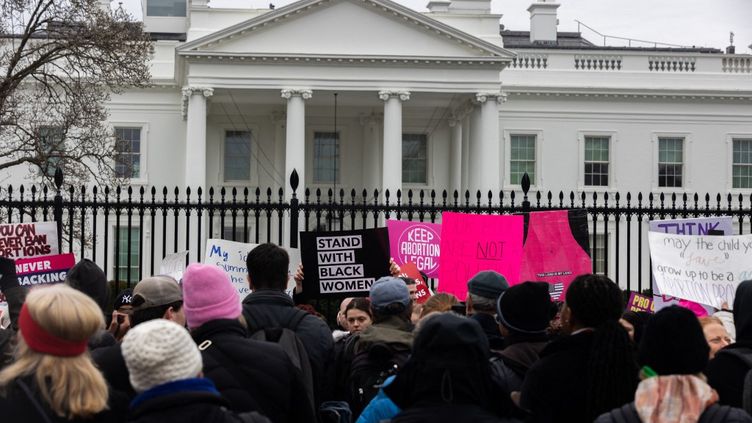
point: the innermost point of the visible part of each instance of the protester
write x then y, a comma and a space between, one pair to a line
165, 366
155, 297
122, 309
88, 278
726, 372
250, 375
674, 353
715, 334
482, 292
342, 329
268, 307
634, 323
524, 312
358, 315
447, 378
53, 378
590, 371
14, 296
439, 303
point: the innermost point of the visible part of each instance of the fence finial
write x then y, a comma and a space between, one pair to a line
294, 180
58, 178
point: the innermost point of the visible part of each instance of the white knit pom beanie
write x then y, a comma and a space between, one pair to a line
159, 351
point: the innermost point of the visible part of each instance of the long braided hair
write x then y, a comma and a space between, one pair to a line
595, 301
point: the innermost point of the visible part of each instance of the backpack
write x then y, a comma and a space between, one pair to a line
284, 335
370, 368
745, 355
335, 412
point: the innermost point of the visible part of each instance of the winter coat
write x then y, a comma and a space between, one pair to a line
488, 323
111, 363
187, 401
510, 365
449, 414
726, 373
712, 414
18, 406
555, 387
392, 330
271, 308
251, 375
381, 406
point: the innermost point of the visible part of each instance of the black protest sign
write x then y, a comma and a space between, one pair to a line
344, 263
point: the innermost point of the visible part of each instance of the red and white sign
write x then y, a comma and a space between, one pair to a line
422, 293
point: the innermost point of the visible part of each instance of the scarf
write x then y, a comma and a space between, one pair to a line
673, 399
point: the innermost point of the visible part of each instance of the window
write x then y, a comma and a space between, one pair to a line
237, 157
741, 176
670, 162
122, 271
596, 161
165, 7
238, 235
522, 158
325, 157
128, 156
51, 141
598, 248
414, 158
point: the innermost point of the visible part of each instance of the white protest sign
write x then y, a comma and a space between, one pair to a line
701, 268
22, 240
173, 265
230, 256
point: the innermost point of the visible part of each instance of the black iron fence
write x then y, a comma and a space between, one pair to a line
129, 230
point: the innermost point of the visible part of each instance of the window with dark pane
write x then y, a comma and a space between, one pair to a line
128, 152
123, 270
597, 158
326, 165
51, 142
414, 158
522, 158
742, 163
237, 157
671, 162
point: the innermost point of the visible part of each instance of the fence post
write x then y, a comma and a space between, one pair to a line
525, 183
294, 210
57, 211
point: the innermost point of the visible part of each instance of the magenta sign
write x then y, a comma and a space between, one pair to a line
416, 242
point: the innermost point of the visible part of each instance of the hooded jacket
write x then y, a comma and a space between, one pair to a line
88, 278
725, 372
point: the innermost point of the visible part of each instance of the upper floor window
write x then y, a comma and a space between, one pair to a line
128, 156
237, 156
326, 157
164, 8
51, 142
597, 157
414, 158
671, 162
521, 158
741, 176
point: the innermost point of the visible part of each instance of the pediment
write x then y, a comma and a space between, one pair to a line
349, 28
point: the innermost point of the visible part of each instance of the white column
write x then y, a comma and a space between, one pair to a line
278, 121
371, 152
490, 176
455, 156
465, 154
194, 106
475, 156
295, 141
392, 160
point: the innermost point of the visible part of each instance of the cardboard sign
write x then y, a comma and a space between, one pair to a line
44, 270
416, 242
21, 240
471, 243
422, 292
638, 302
173, 265
344, 263
230, 256
700, 268
552, 252
690, 226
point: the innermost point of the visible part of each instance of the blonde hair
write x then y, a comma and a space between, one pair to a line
71, 386
440, 303
709, 320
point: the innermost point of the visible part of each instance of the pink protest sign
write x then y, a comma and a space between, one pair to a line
471, 243
415, 242
552, 252
44, 270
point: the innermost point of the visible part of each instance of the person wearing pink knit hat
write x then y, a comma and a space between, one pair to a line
251, 375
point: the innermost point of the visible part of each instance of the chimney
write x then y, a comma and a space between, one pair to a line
438, 6
543, 22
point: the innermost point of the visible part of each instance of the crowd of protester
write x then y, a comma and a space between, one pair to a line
192, 351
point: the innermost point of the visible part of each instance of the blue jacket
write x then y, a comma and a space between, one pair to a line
380, 408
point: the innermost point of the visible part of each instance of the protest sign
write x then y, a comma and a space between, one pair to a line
344, 263
700, 268
638, 302
44, 270
689, 226
422, 293
556, 249
230, 256
471, 243
173, 265
21, 240
416, 242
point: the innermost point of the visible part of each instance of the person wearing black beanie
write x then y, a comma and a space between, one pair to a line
523, 313
674, 353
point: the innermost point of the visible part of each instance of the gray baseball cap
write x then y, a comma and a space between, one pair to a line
156, 291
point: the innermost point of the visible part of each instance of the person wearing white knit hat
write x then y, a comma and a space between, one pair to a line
165, 369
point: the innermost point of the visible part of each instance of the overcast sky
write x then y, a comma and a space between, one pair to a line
704, 23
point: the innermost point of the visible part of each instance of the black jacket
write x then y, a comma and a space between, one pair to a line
251, 375
110, 362
725, 372
449, 414
271, 309
555, 387
510, 365
18, 406
488, 323
712, 414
